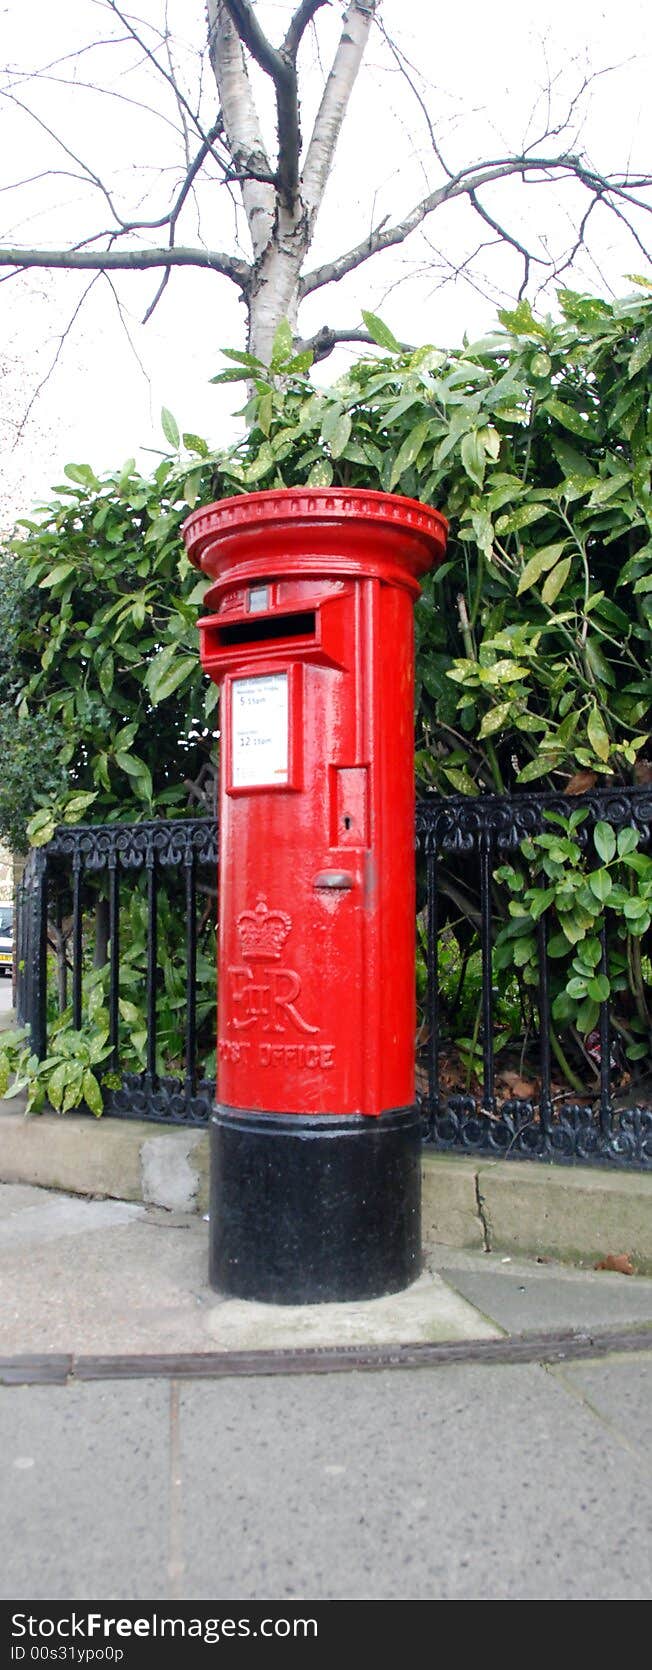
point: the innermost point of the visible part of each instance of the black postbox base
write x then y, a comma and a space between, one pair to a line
309, 1209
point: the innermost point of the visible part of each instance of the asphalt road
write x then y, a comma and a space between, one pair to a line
5, 995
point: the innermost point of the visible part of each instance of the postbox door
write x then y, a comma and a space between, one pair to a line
305, 888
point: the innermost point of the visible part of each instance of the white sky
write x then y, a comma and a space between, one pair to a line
485, 67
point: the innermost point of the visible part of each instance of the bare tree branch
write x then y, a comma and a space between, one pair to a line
299, 23
129, 260
403, 64
508, 238
325, 340
178, 95
465, 184
60, 345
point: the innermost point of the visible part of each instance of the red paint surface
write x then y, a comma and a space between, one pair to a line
316, 983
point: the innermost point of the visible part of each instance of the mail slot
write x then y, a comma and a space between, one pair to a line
315, 1136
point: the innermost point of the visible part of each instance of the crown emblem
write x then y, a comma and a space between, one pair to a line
263, 932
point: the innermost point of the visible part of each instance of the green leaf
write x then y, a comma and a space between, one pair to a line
106, 673
540, 900
599, 988
599, 667
321, 473
340, 435
558, 946
194, 443
555, 581
83, 475
265, 412
571, 462
163, 682
634, 908
587, 1016
566, 415
41, 827
473, 455
138, 771
604, 841
129, 1012
598, 734
231, 376
606, 489
641, 354
534, 769
601, 884
408, 452
75, 807
92, 1093
539, 564
628, 840
496, 719
242, 358
521, 321
540, 365
460, 780
300, 363
170, 429
380, 332
56, 1085
282, 346
191, 488
56, 575
521, 518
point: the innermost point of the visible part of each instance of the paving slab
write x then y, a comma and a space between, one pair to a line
457, 1483
520, 1295
85, 1482
110, 1277
622, 1400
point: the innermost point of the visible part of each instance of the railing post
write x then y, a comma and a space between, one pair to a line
152, 961
191, 970
19, 954
36, 950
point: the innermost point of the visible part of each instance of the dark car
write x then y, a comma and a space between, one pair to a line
7, 939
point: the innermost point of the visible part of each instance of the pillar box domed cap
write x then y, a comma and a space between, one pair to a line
316, 530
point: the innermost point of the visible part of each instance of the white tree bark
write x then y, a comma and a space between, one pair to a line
335, 98
242, 127
275, 289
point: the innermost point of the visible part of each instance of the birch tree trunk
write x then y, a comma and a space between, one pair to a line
281, 216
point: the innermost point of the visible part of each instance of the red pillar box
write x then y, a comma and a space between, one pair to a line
315, 1137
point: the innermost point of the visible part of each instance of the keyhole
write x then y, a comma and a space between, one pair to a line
347, 822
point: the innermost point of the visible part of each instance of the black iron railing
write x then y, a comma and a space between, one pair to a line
64, 875
460, 843
607, 1125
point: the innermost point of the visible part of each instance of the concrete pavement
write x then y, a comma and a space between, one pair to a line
463, 1482
454, 1480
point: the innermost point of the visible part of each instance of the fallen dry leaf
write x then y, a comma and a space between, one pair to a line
621, 1262
516, 1086
581, 782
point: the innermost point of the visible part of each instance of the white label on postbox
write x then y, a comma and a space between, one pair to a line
259, 731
